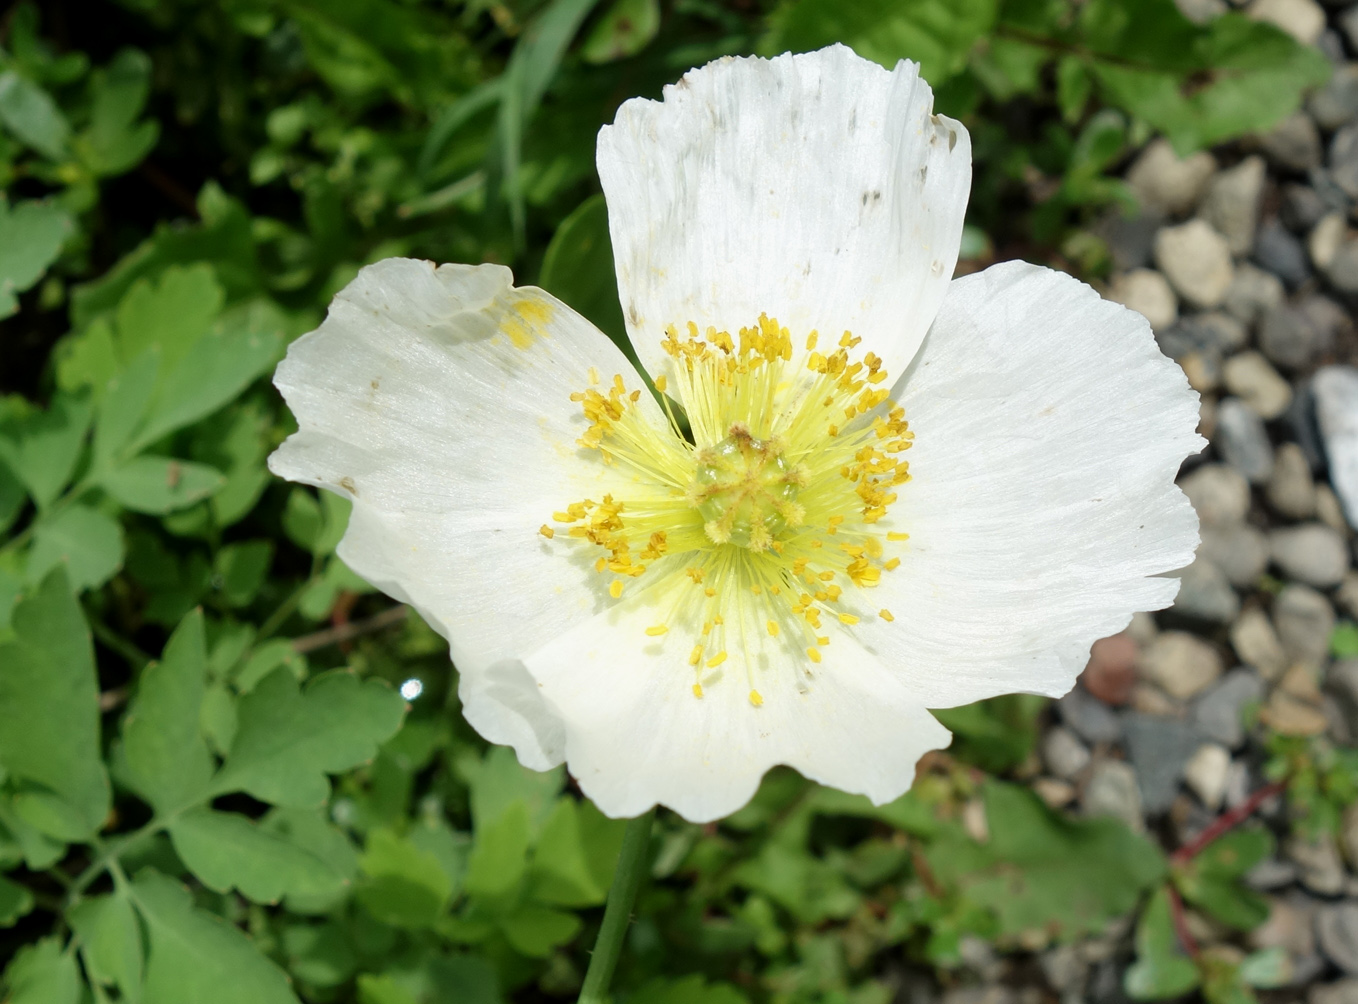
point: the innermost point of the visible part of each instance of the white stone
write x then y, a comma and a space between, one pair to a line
1253, 379
1197, 262
1304, 20
1336, 391
1232, 203
1325, 239
1163, 180
1257, 644
1312, 553
1290, 488
1148, 293
1063, 753
1220, 494
1206, 774
1180, 664
1329, 510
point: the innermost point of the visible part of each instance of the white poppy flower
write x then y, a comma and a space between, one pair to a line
673, 595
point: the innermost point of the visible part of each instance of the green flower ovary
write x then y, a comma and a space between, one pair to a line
745, 489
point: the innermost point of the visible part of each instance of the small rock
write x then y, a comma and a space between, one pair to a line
1330, 512
1219, 713
1252, 292
1063, 753
1302, 207
1291, 716
1290, 491
1326, 238
1293, 144
1342, 269
1348, 24
1243, 440
1347, 594
1219, 494
1304, 620
1257, 644
1300, 425
1239, 550
1317, 860
1271, 873
1249, 376
1181, 664
1335, 103
1338, 992
1197, 262
1065, 969
1162, 180
1336, 394
1159, 748
1281, 253
1291, 337
1112, 791
1212, 333
1231, 205
1348, 835
995, 993
1337, 932
1149, 699
1206, 772
1088, 717
1343, 160
1311, 553
1148, 293
1142, 629
1130, 238
1205, 593
1304, 20
1055, 792
1289, 927
1111, 672
1341, 683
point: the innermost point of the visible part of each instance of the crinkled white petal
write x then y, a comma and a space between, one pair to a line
438, 400
636, 736
1048, 430
819, 189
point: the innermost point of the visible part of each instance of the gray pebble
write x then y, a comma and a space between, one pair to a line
1336, 102
1341, 683
1219, 494
1342, 270
1336, 395
1271, 873
1338, 992
1293, 144
1205, 593
1343, 160
1239, 550
1304, 620
1130, 239
1290, 491
1302, 207
1318, 864
1281, 253
1337, 932
1209, 333
1112, 791
1218, 713
1300, 422
1089, 717
1159, 748
1243, 440
1311, 553
1166, 182
1252, 292
1292, 335
1063, 753
1232, 203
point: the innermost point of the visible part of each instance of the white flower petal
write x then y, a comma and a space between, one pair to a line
1049, 430
438, 400
636, 736
817, 188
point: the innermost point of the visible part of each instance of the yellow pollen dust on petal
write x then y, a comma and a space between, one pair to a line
746, 493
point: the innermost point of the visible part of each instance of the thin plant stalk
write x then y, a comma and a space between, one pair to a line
632, 863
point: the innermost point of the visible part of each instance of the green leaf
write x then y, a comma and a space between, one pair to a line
84, 540
171, 314
29, 112
115, 142
1160, 971
158, 485
499, 781
498, 862
535, 931
319, 955
49, 702
1040, 872
215, 369
627, 27
1268, 969
403, 885
111, 941
576, 853
31, 235
165, 758
122, 406
578, 268
228, 851
287, 740
42, 447
1344, 640
42, 973
994, 734
938, 34
688, 990
311, 830
1212, 880
315, 526
241, 570
196, 956
15, 902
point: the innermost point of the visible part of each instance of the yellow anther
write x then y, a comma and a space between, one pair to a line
696, 656
698, 691
710, 591
615, 588
813, 654
657, 630
546, 531
716, 660
891, 563
773, 629
593, 375
848, 619
756, 699
885, 614
661, 383
811, 340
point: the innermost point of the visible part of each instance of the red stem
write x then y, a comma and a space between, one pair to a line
1179, 915
1226, 822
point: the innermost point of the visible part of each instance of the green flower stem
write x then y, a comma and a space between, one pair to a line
632, 863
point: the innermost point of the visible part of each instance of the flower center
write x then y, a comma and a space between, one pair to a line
745, 490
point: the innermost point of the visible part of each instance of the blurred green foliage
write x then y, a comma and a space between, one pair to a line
210, 790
